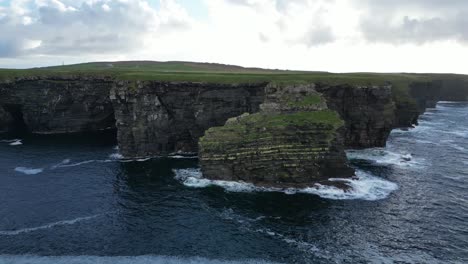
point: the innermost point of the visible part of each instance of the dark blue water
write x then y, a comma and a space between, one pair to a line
71, 200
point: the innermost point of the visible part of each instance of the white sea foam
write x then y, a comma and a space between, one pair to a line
364, 187
29, 171
182, 157
62, 163
116, 156
386, 157
47, 226
68, 165
16, 143
9, 140
28, 259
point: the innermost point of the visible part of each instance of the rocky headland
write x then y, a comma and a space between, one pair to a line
263, 133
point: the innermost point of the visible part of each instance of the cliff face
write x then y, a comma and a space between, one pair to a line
5, 120
427, 94
423, 95
368, 112
57, 105
294, 141
158, 118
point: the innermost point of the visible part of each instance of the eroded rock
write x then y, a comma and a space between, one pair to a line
294, 141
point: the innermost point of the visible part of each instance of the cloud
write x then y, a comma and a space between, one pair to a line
53, 27
302, 22
416, 21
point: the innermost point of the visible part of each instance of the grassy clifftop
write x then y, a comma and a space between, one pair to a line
215, 73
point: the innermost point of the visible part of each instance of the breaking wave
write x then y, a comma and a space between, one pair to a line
116, 156
386, 157
47, 226
363, 187
27, 259
29, 171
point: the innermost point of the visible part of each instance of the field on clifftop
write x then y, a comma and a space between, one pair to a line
215, 73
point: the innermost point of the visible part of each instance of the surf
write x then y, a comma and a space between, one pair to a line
364, 187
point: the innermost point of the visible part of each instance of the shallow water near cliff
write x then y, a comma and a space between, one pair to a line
72, 200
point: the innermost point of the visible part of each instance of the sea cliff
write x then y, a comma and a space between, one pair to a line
259, 132
54, 105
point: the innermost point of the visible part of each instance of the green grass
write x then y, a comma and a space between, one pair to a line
214, 73
227, 74
306, 101
261, 126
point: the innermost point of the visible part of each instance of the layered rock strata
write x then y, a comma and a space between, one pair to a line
48, 105
294, 141
161, 118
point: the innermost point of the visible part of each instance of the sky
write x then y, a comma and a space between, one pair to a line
315, 35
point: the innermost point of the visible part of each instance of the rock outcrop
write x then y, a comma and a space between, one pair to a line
294, 141
368, 112
161, 118
48, 105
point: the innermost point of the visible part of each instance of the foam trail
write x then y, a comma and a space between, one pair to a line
74, 164
29, 259
51, 225
28, 171
63, 162
364, 187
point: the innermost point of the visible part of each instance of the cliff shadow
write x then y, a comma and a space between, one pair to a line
16, 125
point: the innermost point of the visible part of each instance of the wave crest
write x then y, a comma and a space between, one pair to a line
363, 187
28, 171
47, 226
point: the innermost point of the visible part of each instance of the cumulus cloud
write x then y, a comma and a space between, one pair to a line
414, 21
64, 27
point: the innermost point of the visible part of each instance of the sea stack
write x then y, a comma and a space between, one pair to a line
295, 141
